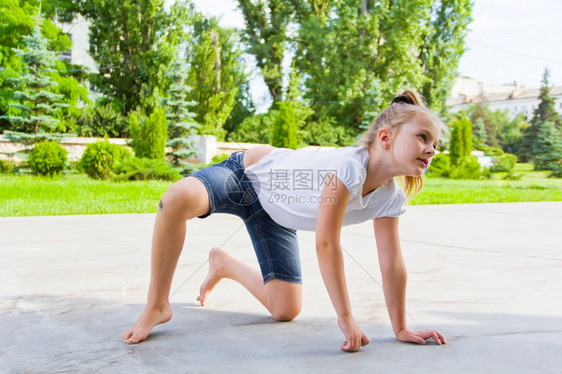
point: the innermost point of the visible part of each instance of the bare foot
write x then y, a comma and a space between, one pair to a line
216, 272
146, 322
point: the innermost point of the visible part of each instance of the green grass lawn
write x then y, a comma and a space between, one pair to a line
447, 191
77, 194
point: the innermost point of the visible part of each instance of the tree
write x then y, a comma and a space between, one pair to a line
493, 122
266, 36
479, 133
216, 71
18, 19
512, 133
181, 124
132, 43
442, 47
35, 102
346, 49
542, 140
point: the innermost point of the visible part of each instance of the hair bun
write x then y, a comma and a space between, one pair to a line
402, 99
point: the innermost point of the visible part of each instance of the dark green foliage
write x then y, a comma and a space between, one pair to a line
134, 42
343, 49
557, 171
7, 166
48, 158
542, 140
100, 121
284, 134
149, 135
216, 72
266, 36
136, 169
100, 159
512, 133
325, 132
546, 150
478, 134
254, 129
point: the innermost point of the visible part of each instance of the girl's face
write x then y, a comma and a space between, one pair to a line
413, 146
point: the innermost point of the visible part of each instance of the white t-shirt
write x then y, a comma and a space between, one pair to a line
289, 184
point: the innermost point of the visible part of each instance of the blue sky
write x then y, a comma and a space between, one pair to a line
509, 40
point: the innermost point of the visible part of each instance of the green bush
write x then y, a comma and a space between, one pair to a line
135, 169
7, 166
100, 158
440, 165
254, 129
468, 167
493, 151
48, 158
101, 121
505, 162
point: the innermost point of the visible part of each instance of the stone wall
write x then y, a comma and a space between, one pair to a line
208, 147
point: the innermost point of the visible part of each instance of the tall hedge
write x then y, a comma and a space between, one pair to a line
284, 133
149, 135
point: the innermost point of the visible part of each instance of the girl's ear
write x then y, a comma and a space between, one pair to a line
384, 138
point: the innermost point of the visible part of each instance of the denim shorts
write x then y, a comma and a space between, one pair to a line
230, 191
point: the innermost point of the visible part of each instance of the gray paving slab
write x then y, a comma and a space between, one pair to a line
488, 276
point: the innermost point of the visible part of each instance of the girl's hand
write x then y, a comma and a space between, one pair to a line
355, 338
420, 336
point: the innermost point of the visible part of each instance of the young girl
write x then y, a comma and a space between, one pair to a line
279, 191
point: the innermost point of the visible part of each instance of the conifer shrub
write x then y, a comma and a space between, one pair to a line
100, 159
284, 133
47, 158
149, 135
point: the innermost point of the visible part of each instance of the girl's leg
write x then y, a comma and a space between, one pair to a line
282, 299
185, 199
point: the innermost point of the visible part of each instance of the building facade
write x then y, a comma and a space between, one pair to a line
511, 97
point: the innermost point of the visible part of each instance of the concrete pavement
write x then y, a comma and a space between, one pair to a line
488, 276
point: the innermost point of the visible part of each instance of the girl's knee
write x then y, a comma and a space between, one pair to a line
187, 197
286, 313
284, 299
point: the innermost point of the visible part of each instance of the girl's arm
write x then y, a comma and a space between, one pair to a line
394, 278
330, 218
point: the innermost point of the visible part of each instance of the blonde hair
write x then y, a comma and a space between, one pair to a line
401, 110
